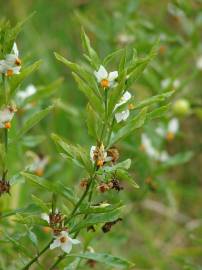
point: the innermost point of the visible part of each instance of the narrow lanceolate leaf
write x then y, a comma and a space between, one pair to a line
135, 123
92, 122
13, 33
105, 258
91, 53
55, 187
74, 153
18, 79
153, 100
94, 101
31, 122
121, 165
159, 112
86, 75
30, 209
137, 67
94, 219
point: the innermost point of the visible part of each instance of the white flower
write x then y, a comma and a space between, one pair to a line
122, 116
168, 82
29, 91
104, 78
64, 241
148, 147
125, 38
163, 156
45, 217
6, 115
151, 151
99, 155
11, 64
199, 63
170, 131
38, 163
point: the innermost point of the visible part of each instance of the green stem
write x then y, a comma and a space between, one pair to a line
26, 267
110, 132
106, 112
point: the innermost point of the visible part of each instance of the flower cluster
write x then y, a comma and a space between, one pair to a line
11, 64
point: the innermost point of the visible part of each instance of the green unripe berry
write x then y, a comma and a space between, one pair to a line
181, 107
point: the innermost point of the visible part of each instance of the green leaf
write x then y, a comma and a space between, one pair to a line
75, 153
124, 175
94, 219
31, 122
112, 261
91, 53
121, 165
87, 76
153, 100
112, 56
16, 80
94, 101
135, 123
40, 203
102, 208
92, 122
55, 187
159, 112
30, 209
13, 33
138, 66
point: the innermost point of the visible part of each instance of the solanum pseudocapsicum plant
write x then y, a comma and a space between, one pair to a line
112, 115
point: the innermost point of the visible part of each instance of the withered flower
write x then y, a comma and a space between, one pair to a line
115, 184
107, 226
113, 153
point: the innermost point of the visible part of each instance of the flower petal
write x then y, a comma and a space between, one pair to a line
101, 73
45, 217
66, 247
173, 125
75, 241
113, 75
122, 116
15, 49
56, 243
92, 153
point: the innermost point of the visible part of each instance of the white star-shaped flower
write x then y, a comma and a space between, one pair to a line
64, 241
6, 115
170, 131
12, 63
37, 163
122, 116
29, 91
151, 151
105, 79
99, 155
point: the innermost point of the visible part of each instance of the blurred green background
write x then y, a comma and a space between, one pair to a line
162, 226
